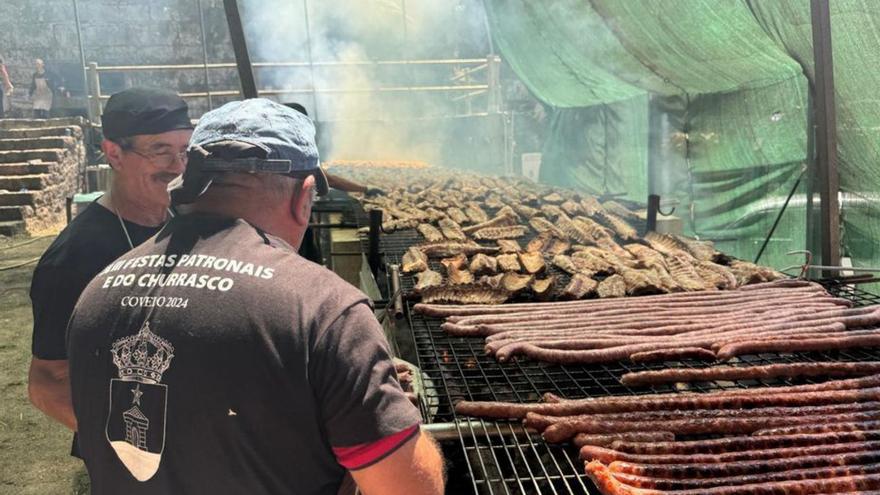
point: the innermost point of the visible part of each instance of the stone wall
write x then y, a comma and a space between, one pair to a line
114, 32
41, 163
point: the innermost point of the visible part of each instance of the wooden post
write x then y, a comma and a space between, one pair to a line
493, 72
94, 92
828, 179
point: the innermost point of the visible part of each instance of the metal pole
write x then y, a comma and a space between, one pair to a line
239, 45
374, 257
315, 112
826, 132
94, 89
794, 189
653, 208
82, 62
205, 55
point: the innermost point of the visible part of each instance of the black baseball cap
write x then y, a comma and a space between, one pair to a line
139, 111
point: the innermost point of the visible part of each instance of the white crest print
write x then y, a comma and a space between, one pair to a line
138, 401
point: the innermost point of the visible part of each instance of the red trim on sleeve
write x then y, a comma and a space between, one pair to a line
360, 456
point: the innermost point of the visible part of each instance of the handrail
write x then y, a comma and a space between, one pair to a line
231, 65
475, 88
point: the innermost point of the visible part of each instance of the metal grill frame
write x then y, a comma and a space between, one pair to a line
501, 457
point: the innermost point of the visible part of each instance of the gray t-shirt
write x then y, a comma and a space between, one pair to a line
214, 359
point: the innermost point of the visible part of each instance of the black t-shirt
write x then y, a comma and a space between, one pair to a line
214, 359
92, 240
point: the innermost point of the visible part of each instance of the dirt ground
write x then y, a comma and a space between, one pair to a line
34, 450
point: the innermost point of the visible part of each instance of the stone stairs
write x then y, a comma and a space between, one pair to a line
41, 164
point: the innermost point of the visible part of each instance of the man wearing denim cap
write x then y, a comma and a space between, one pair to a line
146, 132
232, 364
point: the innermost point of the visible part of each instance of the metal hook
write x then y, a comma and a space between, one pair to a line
809, 260
664, 213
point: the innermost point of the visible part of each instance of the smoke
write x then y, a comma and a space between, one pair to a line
355, 122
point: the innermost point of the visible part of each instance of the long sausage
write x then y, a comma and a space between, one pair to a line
794, 474
604, 479
827, 428
793, 345
675, 354
569, 427
693, 470
753, 397
610, 354
606, 455
540, 422
606, 440
731, 373
749, 442
440, 310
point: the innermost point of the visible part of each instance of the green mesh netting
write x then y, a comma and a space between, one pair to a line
703, 101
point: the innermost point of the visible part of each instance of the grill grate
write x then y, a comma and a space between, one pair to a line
503, 459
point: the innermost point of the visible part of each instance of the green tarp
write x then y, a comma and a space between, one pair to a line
729, 81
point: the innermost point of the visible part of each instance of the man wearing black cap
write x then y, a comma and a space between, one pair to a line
214, 359
146, 132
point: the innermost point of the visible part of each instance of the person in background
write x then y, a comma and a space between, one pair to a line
234, 365
42, 90
5, 87
309, 247
146, 132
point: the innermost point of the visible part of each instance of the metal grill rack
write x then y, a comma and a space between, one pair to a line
502, 458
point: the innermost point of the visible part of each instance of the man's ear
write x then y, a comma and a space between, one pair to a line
301, 204
113, 152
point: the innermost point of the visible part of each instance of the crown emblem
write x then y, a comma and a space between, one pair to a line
142, 357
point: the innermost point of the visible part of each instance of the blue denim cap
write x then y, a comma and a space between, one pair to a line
264, 136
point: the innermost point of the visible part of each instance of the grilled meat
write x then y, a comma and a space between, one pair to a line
620, 227
515, 282
543, 288
456, 215
493, 281
495, 233
665, 243
590, 206
613, 286
682, 270
571, 208
579, 287
414, 260
458, 276
454, 262
400, 224
525, 211
506, 219
551, 211
451, 248
750, 273
553, 197
482, 265
508, 263
618, 209
532, 262
427, 278
508, 246
430, 233
476, 214
452, 230
464, 294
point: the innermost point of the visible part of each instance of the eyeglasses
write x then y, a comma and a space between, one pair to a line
166, 159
